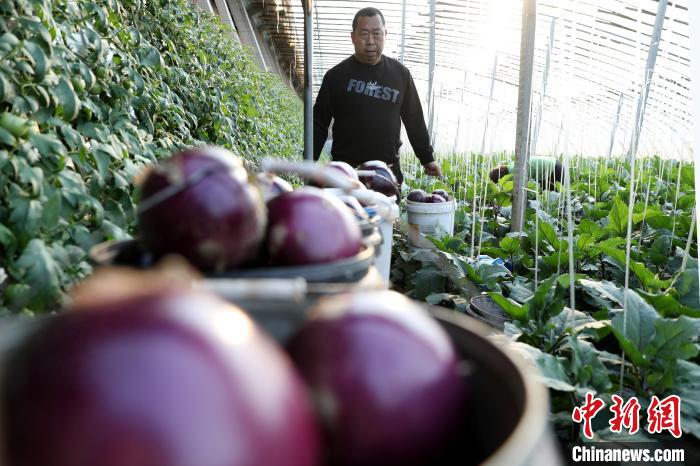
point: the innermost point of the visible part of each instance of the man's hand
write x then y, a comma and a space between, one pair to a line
432, 169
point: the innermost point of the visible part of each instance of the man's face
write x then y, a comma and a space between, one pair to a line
368, 39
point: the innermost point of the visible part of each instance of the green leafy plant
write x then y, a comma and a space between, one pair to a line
580, 350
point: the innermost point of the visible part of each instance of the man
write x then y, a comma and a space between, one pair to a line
368, 95
543, 168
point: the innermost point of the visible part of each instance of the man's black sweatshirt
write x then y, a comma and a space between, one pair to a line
367, 104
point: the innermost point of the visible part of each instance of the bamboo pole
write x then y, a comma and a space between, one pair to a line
527, 52
648, 75
431, 67
684, 263
308, 83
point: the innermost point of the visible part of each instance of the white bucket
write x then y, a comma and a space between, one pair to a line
383, 261
386, 229
429, 219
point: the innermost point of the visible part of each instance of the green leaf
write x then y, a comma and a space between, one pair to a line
427, 281
687, 387
505, 179
520, 290
87, 75
7, 88
73, 138
666, 305
510, 245
585, 242
637, 335
661, 222
86, 43
454, 243
513, 309
102, 160
37, 27
74, 190
490, 273
150, 56
572, 321
96, 131
139, 83
617, 218
7, 238
82, 237
68, 101
592, 229
113, 232
26, 214
17, 125
652, 212
565, 279
9, 39
556, 259
47, 144
674, 338
29, 175
686, 202
7, 138
547, 301
612, 242
686, 283
548, 234
17, 295
646, 277
51, 212
38, 56
552, 371
660, 249
586, 366
42, 272
660, 377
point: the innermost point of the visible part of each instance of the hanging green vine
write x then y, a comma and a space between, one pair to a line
90, 92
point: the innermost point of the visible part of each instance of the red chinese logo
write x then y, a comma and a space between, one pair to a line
624, 415
665, 415
587, 412
662, 415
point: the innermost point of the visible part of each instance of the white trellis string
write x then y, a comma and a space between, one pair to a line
691, 233
675, 203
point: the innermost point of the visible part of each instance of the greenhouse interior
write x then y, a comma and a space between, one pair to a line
306, 233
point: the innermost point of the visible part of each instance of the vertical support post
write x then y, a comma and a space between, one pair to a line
308, 83
204, 5
694, 23
224, 12
246, 31
488, 106
431, 67
527, 52
403, 31
648, 74
570, 233
459, 115
545, 75
435, 119
614, 128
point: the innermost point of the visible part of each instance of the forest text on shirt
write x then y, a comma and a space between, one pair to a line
371, 89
